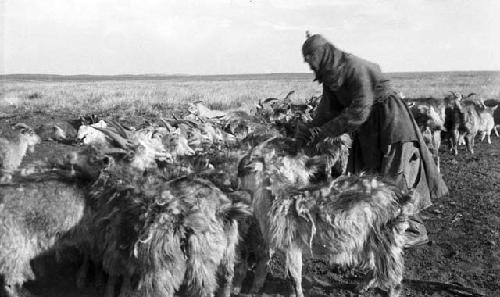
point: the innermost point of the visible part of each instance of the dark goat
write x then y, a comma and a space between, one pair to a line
462, 117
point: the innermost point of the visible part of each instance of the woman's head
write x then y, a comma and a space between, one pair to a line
319, 54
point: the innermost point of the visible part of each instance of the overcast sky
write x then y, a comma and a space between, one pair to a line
243, 36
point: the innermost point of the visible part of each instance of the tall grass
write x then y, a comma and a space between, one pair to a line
160, 97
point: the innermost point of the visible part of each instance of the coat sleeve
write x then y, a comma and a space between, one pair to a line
360, 88
321, 115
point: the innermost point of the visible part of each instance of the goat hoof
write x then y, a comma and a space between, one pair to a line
81, 282
395, 291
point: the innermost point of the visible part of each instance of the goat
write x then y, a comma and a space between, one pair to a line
462, 117
298, 168
200, 110
34, 216
158, 233
430, 115
487, 122
13, 152
354, 221
51, 132
88, 134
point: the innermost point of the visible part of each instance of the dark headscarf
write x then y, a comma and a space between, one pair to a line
312, 43
326, 59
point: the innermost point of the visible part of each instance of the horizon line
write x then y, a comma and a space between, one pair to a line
220, 74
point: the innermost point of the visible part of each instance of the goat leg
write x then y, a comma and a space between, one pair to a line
454, 142
110, 286
81, 275
241, 269
126, 286
226, 271
469, 141
260, 273
294, 267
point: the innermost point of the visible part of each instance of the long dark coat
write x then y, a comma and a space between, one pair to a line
358, 99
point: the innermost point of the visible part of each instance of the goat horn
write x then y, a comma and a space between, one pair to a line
118, 139
114, 151
121, 130
270, 100
150, 236
289, 94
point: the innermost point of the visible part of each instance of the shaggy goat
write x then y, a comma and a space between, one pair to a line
158, 233
33, 217
356, 221
281, 155
12, 152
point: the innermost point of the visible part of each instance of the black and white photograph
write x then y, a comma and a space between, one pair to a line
249, 148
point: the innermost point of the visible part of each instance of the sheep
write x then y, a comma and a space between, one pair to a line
13, 152
354, 220
35, 217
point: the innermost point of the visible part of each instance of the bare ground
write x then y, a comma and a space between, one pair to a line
464, 232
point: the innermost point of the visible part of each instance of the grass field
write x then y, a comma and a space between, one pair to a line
157, 95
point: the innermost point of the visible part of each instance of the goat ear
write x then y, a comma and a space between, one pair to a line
301, 207
494, 107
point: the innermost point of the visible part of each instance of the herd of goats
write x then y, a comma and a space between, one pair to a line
189, 205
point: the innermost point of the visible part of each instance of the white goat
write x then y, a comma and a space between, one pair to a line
487, 122
200, 110
87, 134
12, 152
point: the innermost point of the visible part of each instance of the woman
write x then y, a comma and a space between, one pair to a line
358, 99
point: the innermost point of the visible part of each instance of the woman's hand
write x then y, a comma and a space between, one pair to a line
305, 135
302, 134
315, 132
